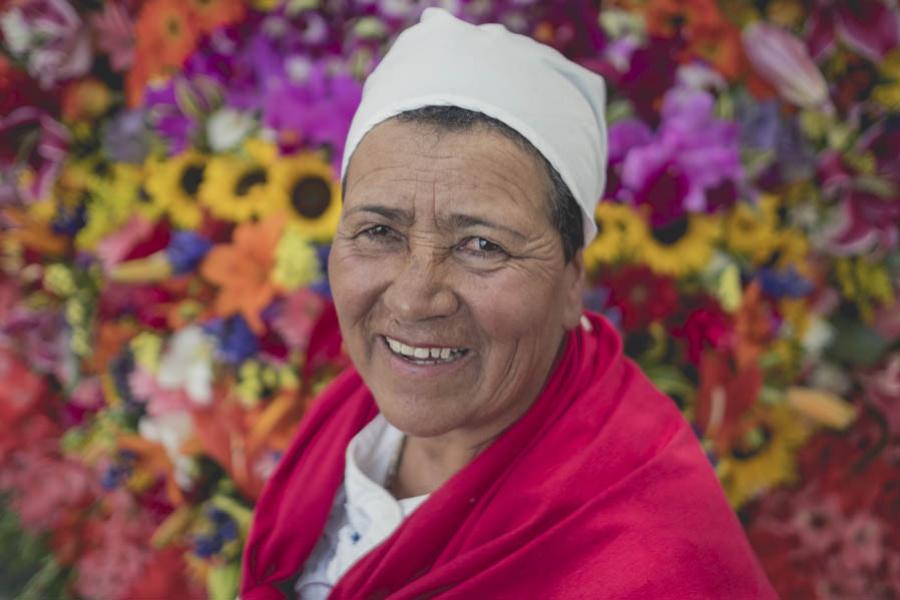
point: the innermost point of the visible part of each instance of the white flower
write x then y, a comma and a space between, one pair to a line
51, 38
171, 430
15, 31
227, 128
187, 364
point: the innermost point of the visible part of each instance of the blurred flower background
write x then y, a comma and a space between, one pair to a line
168, 189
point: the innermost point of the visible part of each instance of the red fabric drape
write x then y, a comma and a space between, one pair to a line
600, 491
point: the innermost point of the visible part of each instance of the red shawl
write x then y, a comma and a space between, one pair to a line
600, 491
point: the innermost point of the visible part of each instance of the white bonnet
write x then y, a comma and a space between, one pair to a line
554, 103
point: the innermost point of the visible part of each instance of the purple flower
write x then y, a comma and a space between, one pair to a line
168, 116
125, 138
315, 112
692, 164
763, 128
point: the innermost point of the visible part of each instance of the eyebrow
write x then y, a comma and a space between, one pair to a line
392, 214
455, 220
461, 221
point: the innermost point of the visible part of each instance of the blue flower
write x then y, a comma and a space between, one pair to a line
784, 283
185, 251
236, 341
69, 220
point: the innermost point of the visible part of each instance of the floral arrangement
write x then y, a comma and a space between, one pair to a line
169, 186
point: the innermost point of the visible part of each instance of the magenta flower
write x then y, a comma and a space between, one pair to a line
871, 27
316, 111
114, 34
692, 164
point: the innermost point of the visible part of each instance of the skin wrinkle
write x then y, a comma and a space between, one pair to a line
421, 279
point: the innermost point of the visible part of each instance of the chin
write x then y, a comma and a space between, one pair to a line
417, 417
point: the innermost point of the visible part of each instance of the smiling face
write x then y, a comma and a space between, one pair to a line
449, 279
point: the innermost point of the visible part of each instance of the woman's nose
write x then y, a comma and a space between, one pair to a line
421, 290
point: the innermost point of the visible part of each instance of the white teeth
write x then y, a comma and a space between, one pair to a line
430, 354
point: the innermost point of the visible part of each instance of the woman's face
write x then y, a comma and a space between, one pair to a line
449, 280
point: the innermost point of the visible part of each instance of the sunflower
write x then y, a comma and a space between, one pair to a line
683, 246
174, 184
763, 457
620, 232
310, 194
752, 230
239, 187
114, 199
210, 14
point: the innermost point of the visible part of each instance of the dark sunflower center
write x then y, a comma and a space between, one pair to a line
671, 233
249, 179
311, 197
143, 195
191, 178
745, 449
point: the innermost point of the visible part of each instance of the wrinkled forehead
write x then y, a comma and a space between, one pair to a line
475, 166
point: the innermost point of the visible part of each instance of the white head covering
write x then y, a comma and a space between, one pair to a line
554, 103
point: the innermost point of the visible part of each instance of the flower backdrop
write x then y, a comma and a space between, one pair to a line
168, 188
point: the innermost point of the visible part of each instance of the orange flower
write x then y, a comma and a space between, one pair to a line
706, 32
165, 37
753, 326
243, 270
152, 461
211, 14
238, 439
85, 99
33, 233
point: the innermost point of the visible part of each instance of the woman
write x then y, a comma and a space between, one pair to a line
490, 440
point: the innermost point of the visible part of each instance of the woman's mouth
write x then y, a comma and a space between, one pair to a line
424, 355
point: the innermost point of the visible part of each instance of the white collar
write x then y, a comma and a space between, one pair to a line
371, 509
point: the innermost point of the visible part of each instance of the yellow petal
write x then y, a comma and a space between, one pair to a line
822, 407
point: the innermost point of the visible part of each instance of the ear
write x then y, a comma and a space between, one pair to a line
573, 291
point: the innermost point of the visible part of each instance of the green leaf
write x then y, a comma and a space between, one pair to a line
222, 582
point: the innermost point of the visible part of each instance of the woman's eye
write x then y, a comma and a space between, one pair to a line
482, 247
378, 231
378, 237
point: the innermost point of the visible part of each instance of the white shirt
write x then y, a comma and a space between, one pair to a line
364, 513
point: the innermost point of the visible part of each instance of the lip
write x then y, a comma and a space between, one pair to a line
408, 369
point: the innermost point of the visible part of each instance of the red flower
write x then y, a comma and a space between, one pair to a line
707, 327
642, 296
726, 392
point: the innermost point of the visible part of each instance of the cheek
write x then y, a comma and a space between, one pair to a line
355, 285
512, 307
